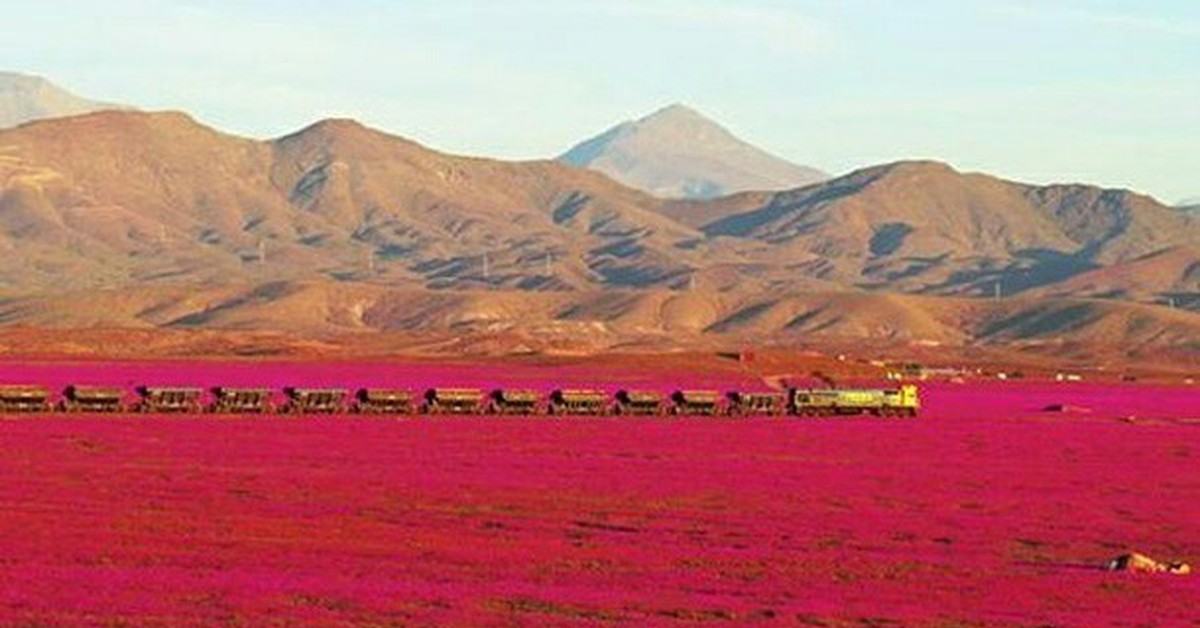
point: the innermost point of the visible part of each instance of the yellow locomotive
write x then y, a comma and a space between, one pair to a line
902, 401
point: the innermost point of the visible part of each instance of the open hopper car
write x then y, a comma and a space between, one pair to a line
526, 402
241, 400
14, 399
170, 400
579, 402
455, 401
381, 401
315, 401
756, 404
696, 402
93, 399
640, 403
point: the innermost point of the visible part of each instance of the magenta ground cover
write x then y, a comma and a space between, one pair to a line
985, 511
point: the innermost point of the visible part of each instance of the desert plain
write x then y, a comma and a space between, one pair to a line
989, 509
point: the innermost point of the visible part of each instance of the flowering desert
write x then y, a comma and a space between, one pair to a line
987, 510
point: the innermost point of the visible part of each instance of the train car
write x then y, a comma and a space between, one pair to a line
640, 403
315, 401
696, 403
241, 401
23, 399
581, 402
170, 400
748, 404
526, 402
381, 401
902, 401
455, 401
93, 399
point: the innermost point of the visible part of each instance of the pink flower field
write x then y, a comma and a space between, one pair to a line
985, 511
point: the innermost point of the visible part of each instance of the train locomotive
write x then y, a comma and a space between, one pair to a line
902, 401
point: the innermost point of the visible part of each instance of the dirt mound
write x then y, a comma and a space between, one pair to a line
1140, 563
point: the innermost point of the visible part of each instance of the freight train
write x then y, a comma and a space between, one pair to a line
900, 401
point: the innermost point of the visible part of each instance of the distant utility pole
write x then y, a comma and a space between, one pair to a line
692, 283
262, 251
549, 264
998, 292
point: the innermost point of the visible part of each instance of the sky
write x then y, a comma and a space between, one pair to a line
1103, 91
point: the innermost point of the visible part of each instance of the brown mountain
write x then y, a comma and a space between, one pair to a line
924, 227
120, 197
126, 219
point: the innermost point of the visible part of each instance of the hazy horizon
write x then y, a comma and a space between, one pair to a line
1095, 92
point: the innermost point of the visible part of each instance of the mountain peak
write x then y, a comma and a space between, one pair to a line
27, 97
676, 112
347, 133
678, 152
11, 81
329, 127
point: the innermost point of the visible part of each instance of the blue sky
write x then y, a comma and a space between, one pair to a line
1104, 92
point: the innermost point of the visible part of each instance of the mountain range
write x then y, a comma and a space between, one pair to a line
128, 219
677, 152
132, 219
24, 98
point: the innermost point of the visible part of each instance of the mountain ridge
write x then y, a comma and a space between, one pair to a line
340, 227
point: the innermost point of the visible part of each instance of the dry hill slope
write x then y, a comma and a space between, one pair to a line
604, 320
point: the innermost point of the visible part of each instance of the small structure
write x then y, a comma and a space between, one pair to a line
1066, 408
